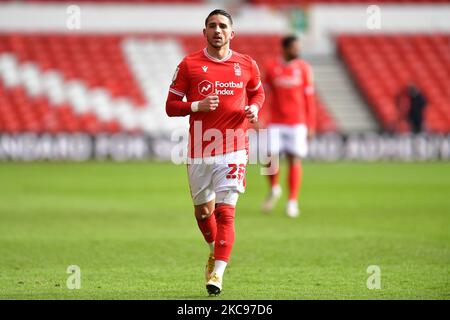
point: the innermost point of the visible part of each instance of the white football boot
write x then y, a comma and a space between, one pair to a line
271, 200
292, 210
214, 285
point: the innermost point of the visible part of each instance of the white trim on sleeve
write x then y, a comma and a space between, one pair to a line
178, 93
255, 88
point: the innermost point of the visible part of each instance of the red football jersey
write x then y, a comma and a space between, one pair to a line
234, 79
292, 90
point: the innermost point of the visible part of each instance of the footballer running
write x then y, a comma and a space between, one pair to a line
292, 119
216, 83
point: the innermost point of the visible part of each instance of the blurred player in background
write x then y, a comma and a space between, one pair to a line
216, 83
292, 119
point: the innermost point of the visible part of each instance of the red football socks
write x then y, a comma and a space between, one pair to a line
295, 177
208, 227
225, 232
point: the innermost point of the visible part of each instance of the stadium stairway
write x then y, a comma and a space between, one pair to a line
341, 97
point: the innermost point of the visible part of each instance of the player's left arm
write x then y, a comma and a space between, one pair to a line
310, 99
255, 94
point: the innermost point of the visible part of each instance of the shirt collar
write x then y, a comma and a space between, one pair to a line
228, 56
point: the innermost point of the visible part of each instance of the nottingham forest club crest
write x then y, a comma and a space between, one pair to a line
237, 69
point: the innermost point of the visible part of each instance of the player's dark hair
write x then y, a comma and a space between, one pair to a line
288, 40
221, 12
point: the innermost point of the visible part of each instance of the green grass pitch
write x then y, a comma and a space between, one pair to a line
131, 230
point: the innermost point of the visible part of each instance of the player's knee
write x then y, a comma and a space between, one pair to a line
203, 212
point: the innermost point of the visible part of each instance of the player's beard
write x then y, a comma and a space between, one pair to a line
291, 57
218, 46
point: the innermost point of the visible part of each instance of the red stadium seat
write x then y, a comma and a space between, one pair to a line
383, 64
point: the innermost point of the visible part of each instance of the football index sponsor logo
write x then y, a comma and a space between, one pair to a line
287, 81
205, 88
227, 88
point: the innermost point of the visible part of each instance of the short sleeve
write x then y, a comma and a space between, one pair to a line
180, 83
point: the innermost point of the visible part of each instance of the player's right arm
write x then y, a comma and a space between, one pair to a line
175, 106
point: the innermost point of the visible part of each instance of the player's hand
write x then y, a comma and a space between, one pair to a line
251, 112
210, 103
311, 134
